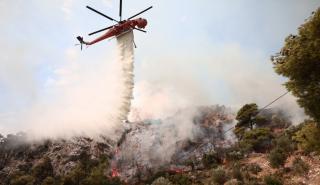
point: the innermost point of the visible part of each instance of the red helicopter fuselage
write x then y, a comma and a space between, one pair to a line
120, 28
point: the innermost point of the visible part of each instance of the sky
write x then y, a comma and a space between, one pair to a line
194, 53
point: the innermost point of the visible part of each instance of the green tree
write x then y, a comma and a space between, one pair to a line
239, 132
246, 115
299, 61
258, 139
308, 137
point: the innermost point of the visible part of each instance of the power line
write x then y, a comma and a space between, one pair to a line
264, 107
273, 101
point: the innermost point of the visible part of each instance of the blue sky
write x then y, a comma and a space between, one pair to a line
195, 52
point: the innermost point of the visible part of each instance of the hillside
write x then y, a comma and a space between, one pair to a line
145, 151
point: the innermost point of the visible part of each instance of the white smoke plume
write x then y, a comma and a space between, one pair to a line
154, 145
230, 75
82, 98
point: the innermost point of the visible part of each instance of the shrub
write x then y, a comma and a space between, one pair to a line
258, 139
234, 154
25, 167
43, 169
232, 182
236, 172
299, 166
180, 179
272, 180
86, 162
285, 143
219, 176
277, 157
211, 160
155, 176
22, 180
96, 177
161, 181
253, 181
248, 178
254, 168
246, 175
115, 181
89, 172
74, 177
308, 137
48, 181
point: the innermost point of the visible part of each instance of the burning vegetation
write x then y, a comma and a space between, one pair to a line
154, 152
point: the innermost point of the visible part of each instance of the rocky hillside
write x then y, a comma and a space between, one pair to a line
195, 146
129, 154
18, 156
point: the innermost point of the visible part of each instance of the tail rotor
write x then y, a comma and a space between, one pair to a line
80, 39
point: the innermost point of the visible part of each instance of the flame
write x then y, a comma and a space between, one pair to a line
115, 172
117, 151
177, 170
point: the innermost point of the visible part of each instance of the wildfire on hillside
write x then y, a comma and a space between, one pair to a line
146, 148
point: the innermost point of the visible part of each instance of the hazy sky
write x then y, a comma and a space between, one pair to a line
195, 52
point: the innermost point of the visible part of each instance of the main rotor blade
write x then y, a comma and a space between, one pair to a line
140, 30
100, 30
140, 13
101, 13
120, 10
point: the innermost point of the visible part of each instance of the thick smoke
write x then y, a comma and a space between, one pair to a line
230, 75
167, 143
159, 141
81, 98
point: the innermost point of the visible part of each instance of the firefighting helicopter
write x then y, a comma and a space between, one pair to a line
122, 26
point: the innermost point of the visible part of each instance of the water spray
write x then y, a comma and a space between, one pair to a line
126, 52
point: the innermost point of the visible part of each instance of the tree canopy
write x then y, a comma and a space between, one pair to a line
299, 61
246, 115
